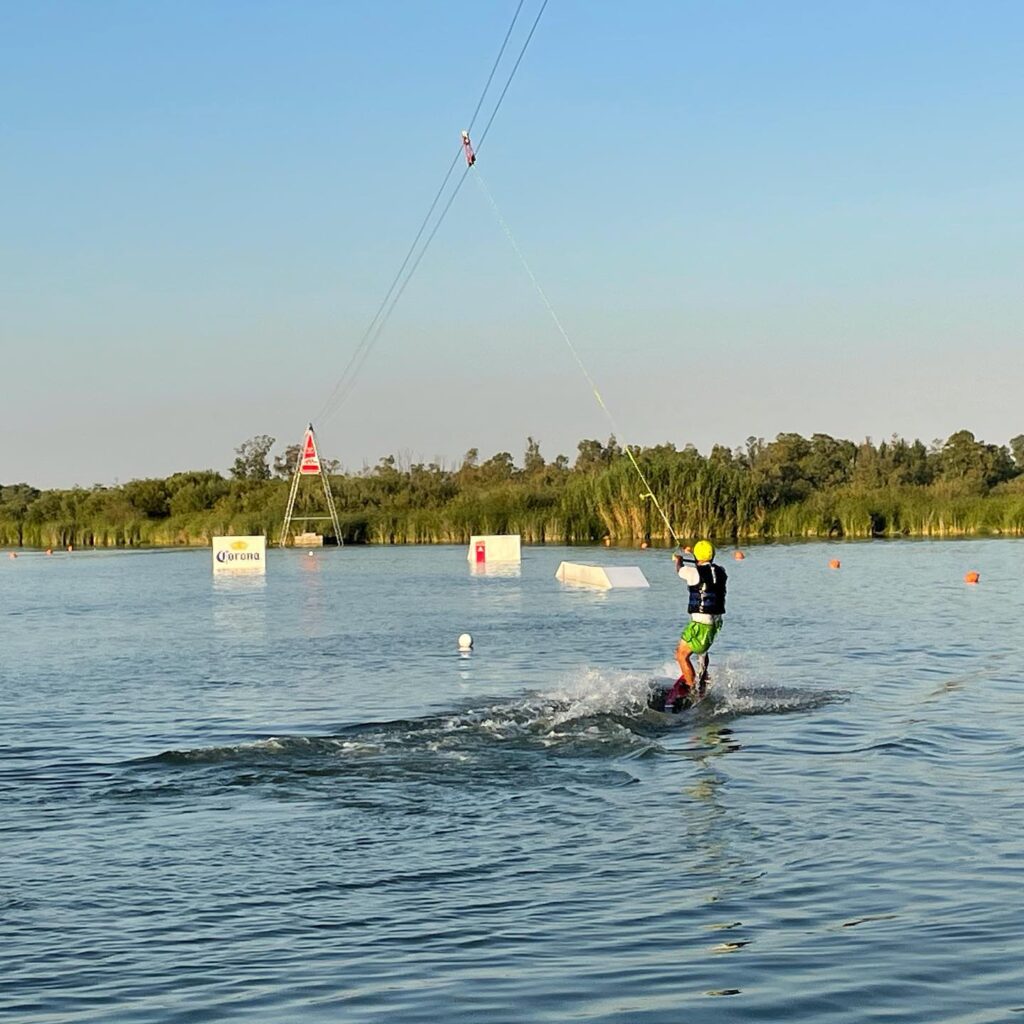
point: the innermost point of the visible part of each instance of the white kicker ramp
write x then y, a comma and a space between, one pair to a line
604, 577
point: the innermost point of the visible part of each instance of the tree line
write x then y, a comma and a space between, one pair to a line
792, 486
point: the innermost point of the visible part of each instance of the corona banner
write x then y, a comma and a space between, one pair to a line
239, 555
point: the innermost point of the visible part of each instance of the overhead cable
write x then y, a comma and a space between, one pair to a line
407, 270
648, 491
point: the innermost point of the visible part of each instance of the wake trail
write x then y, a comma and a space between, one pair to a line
594, 712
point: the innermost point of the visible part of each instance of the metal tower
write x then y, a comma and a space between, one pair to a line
309, 464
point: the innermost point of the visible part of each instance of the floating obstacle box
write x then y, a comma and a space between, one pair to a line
308, 540
604, 577
500, 547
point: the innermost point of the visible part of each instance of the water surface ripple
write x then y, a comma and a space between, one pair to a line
292, 799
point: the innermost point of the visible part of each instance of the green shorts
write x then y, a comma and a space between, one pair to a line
699, 636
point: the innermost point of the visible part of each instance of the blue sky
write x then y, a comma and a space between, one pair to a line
751, 218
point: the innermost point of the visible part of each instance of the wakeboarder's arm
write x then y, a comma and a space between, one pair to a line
689, 575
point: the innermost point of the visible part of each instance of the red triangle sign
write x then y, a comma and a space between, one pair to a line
310, 462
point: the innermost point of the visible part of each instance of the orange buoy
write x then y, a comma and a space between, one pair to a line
972, 577
49, 551
13, 554
738, 555
643, 545
71, 547
834, 564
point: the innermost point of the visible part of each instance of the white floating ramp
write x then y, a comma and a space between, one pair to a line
605, 577
498, 547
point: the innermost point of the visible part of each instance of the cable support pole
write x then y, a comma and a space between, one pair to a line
286, 525
572, 348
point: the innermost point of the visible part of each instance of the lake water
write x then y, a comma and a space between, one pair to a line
292, 799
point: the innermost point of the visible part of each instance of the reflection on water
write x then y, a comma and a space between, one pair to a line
714, 741
241, 583
239, 606
497, 570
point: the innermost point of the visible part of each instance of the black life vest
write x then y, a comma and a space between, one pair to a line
708, 596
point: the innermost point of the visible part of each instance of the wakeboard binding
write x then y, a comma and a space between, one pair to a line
681, 695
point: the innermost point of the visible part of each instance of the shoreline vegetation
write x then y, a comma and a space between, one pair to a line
789, 488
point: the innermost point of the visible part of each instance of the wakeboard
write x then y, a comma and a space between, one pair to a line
660, 699
663, 699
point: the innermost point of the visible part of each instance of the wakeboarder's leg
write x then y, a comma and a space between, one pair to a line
702, 672
683, 653
686, 680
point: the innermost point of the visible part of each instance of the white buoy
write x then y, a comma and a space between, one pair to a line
310, 553
465, 642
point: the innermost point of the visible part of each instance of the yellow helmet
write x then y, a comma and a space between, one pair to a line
703, 551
